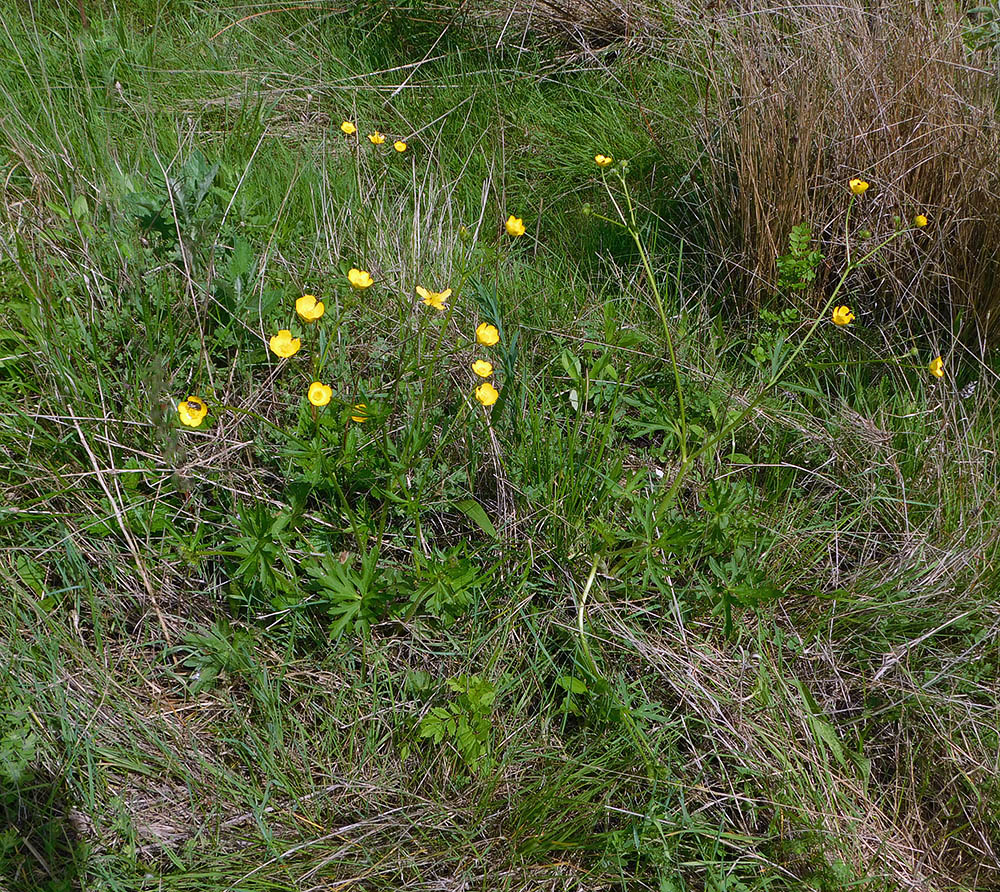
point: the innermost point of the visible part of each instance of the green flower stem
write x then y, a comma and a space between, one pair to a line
638, 737
830, 302
355, 526
435, 355
847, 233
633, 230
727, 429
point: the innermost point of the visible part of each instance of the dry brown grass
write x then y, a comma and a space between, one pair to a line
802, 97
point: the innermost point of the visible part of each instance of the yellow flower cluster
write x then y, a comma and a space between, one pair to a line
310, 309
488, 335
376, 137
842, 315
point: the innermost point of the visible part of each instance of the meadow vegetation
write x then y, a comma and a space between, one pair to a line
500, 446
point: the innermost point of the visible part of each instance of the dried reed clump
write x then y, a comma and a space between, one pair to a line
802, 97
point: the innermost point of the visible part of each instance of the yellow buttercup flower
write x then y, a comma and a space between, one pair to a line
360, 279
858, 186
360, 413
920, 220
399, 145
319, 394
603, 160
348, 128
192, 411
376, 138
482, 368
936, 367
309, 308
515, 226
487, 334
434, 299
284, 345
843, 315
487, 394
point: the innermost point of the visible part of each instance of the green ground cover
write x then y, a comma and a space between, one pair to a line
707, 599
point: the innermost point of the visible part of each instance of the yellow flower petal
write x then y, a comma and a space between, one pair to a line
284, 345
309, 308
482, 368
603, 160
487, 394
936, 367
399, 145
359, 278
192, 411
842, 315
487, 334
319, 394
858, 186
514, 226
920, 220
434, 299
360, 413
348, 128
377, 138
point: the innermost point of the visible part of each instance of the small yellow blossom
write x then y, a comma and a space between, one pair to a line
603, 160
348, 128
319, 393
360, 413
434, 299
858, 186
515, 226
284, 345
920, 220
309, 308
482, 368
936, 367
399, 145
843, 315
360, 279
487, 394
487, 334
376, 138
192, 411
